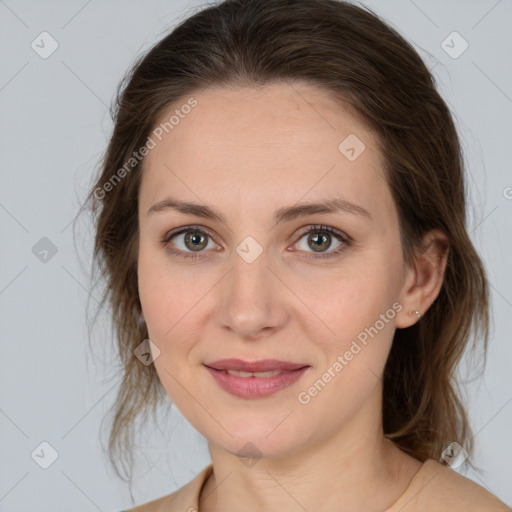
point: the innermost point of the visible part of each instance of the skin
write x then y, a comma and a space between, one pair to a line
247, 152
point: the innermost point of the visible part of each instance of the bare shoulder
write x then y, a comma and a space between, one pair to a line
443, 488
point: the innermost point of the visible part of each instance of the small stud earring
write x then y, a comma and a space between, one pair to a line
417, 313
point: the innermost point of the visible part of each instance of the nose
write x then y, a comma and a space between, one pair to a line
253, 303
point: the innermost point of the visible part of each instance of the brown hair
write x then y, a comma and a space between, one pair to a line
353, 55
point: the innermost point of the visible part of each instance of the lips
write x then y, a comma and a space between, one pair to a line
255, 379
265, 365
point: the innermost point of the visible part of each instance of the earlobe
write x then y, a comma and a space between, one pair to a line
424, 279
417, 313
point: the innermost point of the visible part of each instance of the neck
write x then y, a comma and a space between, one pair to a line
356, 468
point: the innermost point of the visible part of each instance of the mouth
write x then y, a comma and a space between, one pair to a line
265, 365
241, 373
255, 379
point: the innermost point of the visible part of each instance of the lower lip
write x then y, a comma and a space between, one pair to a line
256, 387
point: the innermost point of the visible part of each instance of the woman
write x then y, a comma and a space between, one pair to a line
281, 225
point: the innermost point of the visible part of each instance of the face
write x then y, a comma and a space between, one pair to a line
318, 288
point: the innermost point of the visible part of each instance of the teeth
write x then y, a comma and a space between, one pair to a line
238, 373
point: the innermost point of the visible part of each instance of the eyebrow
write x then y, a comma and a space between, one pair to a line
285, 214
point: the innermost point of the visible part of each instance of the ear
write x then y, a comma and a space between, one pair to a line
424, 279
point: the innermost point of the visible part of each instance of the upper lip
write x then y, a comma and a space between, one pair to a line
254, 366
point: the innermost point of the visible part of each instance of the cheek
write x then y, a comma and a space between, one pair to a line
358, 309
173, 302
164, 293
165, 299
162, 302
361, 315
153, 292
350, 296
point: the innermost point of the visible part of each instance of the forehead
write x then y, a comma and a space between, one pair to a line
286, 139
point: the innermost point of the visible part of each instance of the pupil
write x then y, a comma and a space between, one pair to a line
319, 240
195, 238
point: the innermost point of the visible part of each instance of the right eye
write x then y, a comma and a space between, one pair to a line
190, 245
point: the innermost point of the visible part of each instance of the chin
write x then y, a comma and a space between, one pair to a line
263, 440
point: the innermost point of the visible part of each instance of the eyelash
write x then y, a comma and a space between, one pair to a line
318, 229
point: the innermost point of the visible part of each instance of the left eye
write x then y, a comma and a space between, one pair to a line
196, 241
320, 238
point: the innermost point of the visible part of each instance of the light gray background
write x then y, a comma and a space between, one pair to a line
54, 126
